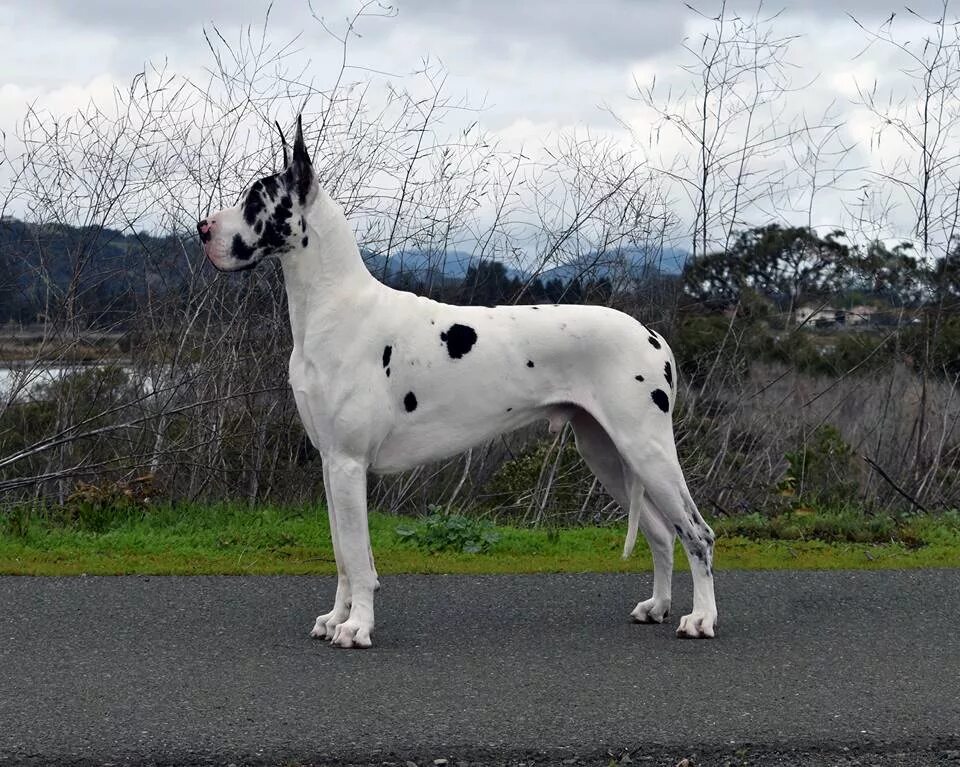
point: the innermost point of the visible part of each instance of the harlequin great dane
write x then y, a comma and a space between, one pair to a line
385, 380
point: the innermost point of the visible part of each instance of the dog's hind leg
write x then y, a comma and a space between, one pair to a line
604, 460
650, 455
660, 539
326, 624
662, 477
348, 488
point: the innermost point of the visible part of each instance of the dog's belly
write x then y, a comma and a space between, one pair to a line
415, 445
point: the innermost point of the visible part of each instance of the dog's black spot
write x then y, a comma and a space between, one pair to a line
509, 409
529, 363
276, 230
303, 224
654, 342
668, 373
303, 242
258, 227
660, 399
253, 205
410, 402
272, 236
270, 186
387, 351
639, 378
388, 372
679, 530
240, 249
459, 340
535, 308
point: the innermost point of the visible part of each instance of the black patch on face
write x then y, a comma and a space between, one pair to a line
529, 363
639, 378
270, 187
410, 402
654, 342
660, 399
258, 227
254, 205
387, 351
668, 373
277, 228
240, 250
459, 340
303, 242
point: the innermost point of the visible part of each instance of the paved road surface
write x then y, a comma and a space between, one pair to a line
808, 668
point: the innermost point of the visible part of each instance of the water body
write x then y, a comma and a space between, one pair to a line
20, 381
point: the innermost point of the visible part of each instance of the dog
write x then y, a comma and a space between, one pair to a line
385, 380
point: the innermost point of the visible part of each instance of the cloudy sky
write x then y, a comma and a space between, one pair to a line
538, 67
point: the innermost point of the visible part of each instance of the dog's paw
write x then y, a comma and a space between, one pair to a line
326, 624
352, 633
651, 611
697, 625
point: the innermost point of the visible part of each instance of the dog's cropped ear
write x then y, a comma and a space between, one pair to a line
301, 169
283, 143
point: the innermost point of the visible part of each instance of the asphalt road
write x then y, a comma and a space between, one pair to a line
808, 668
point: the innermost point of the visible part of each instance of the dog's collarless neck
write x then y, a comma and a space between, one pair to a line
317, 276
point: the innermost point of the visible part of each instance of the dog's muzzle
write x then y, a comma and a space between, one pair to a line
205, 231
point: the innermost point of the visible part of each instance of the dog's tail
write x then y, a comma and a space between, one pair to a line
633, 525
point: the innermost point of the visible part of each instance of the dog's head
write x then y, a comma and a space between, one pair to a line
269, 220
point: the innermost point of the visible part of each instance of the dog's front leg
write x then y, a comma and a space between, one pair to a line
326, 624
347, 478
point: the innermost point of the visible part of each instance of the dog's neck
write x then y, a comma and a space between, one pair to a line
319, 275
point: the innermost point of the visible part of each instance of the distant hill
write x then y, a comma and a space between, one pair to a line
453, 265
104, 274
419, 264
100, 271
636, 263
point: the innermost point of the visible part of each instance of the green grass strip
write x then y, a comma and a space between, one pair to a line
237, 540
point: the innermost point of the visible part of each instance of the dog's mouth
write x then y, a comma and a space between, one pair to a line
224, 262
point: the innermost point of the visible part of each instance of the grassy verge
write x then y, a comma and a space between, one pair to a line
224, 539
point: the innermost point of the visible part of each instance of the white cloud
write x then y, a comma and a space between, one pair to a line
539, 67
